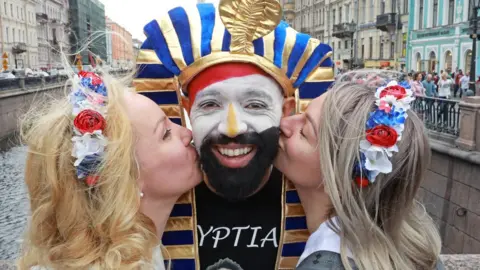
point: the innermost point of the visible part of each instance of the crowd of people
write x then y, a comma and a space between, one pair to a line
444, 85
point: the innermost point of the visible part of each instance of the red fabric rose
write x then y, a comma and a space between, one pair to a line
92, 180
382, 135
95, 79
89, 121
362, 181
394, 90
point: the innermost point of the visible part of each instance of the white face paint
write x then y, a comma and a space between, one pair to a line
252, 103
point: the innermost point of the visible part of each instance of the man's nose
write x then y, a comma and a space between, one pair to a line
232, 125
288, 125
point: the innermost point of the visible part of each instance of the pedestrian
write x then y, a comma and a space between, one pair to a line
444, 92
464, 84
456, 86
417, 86
429, 85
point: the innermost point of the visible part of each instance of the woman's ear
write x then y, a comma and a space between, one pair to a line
289, 106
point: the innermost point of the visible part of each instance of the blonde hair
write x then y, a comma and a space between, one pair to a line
73, 226
383, 225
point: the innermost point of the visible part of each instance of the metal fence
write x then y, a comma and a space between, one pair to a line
441, 115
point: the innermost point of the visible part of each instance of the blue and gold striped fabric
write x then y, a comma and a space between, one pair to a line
189, 40
156, 82
179, 237
294, 229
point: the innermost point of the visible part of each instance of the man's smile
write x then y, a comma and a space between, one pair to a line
234, 155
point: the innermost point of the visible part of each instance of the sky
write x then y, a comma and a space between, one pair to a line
133, 15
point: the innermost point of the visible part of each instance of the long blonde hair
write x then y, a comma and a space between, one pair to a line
73, 226
383, 225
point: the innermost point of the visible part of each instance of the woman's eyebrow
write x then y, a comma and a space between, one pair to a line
158, 123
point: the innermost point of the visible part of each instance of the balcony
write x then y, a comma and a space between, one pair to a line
42, 17
20, 47
388, 22
344, 30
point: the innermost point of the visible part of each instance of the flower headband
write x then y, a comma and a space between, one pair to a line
89, 100
384, 129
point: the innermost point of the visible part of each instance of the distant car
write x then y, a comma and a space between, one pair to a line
6, 75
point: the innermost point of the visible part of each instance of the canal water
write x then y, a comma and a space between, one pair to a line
13, 202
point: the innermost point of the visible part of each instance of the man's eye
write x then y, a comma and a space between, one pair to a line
209, 105
256, 106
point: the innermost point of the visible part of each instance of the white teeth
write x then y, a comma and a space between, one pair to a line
235, 152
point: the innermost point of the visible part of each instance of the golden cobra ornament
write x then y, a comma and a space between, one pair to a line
248, 20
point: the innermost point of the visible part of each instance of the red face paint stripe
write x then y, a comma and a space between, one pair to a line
220, 73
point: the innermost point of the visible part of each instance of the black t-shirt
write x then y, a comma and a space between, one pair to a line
241, 235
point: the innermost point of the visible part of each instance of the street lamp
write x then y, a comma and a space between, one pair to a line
474, 20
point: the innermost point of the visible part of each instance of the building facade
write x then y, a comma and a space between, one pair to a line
439, 38
52, 32
362, 33
122, 45
87, 21
288, 7
18, 33
109, 34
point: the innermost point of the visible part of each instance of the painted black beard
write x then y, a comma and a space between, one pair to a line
240, 183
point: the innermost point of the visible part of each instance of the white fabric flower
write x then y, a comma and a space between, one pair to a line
88, 144
377, 158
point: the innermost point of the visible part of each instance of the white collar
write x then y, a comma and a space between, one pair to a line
323, 239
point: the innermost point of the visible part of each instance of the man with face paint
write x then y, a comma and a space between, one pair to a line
235, 69
235, 111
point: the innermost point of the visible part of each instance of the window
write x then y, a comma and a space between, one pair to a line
18, 13
370, 51
346, 44
19, 36
435, 13
6, 31
394, 6
420, 15
5, 7
340, 15
382, 7
363, 48
333, 19
405, 6
451, 6
339, 45
11, 9
13, 35
381, 50
21, 13
392, 50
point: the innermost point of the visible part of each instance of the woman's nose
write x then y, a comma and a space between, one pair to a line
185, 135
288, 125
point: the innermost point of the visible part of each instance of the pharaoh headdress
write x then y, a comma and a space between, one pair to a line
189, 40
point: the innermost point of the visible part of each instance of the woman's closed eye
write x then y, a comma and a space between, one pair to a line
168, 131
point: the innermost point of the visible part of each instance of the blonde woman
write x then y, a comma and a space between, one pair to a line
357, 165
104, 169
